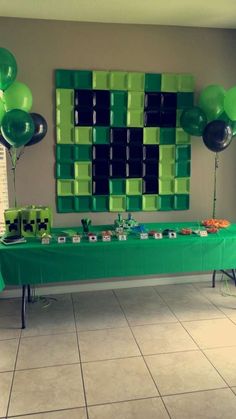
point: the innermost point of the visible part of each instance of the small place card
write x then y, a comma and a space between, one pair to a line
122, 237
106, 238
61, 239
93, 238
45, 240
76, 238
157, 235
203, 233
172, 235
143, 236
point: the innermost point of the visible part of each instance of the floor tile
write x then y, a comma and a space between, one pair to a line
63, 414
212, 333
10, 306
10, 327
99, 299
8, 349
51, 302
137, 409
224, 361
144, 306
214, 404
46, 389
161, 338
43, 351
219, 296
233, 389
5, 386
117, 380
107, 344
183, 372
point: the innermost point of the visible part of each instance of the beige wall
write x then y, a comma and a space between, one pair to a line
42, 46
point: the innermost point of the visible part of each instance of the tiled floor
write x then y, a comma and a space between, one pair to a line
154, 352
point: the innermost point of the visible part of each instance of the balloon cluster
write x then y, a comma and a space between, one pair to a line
214, 117
18, 126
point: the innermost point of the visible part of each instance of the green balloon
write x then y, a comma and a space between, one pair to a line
18, 96
2, 111
224, 117
193, 121
211, 101
17, 127
230, 103
8, 68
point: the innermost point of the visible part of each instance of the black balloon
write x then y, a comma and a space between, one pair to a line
4, 142
40, 129
217, 135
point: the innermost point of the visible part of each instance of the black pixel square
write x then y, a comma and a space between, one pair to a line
168, 119
101, 99
153, 101
118, 136
101, 152
135, 152
150, 185
135, 169
169, 100
100, 186
118, 169
83, 117
151, 152
135, 135
152, 119
150, 168
118, 152
83, 98
101, 168
101, 117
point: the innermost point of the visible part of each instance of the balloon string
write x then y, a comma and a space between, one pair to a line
215, 172
14, 158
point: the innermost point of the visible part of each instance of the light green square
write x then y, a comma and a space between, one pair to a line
182, 137
83, 187
167, 153
136, 81
83, 135
150, 203
101, 80
134, 186
66, 187
136, 100
65, 116
65, 134
178, 116
169, 82
166, 170
118, 80
185, 82
135, 118
151, 135
64, 98
117, 203
83, 170
166, 186
182, 185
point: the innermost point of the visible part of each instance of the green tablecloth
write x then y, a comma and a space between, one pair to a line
34, 263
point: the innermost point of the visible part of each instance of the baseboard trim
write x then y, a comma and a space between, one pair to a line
112, 283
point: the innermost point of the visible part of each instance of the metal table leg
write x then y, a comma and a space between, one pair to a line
214, 279
29, 293
23, 306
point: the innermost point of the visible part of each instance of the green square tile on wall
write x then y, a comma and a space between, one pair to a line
181, 202
117, 186
83, 203
64, 79
167, 170
182, 137
83, 170
185, 82
134, 203
66, 204
169, 82
118, 99
136, 81
64, 98
150, 202
101, 80
66, 187
135, 118
101, 135
134, 186
83, 152
83, 187
136, 100
182, 168
182, 185
185, 100
100, 203
183, 152
65, 116
83, 79
178, 116
166, 186
118, 118
151, 135
83, 135
166, 202
65, 170
167, 135
65, 153
117, 203
65, 134
167, 153
152, 82
118, 80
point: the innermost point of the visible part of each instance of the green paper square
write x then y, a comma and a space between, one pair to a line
64, 79
150, 202
167, 153
83, 152
101, 135
83, 170
183, 152
118, 118
181, 202
166, 170
83, 187
166, 186
117, 186
151, 135
152, 82
118, 99
182, 168
117, 203
185, 82
118, 80
136, 100
169, 82
136, 81
182, 185
65, 116
64, 98
185, 100
135, 118
178, 116
134, 186
167, 135
65, 134
101, 80
182, 137
65, 153
66, 187
83, 135
166, 202
134, 203
83, 203
65, 170
65, 204
83, 79
100, 203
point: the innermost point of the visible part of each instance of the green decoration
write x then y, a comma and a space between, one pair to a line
193, 121
211, 101
17, 127
18, 96
230, 103
2, 110
8, 68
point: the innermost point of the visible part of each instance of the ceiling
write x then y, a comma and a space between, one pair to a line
200, 13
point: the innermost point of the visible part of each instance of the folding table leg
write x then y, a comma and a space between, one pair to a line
23, 306
214, 279
234, 276
29, 293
